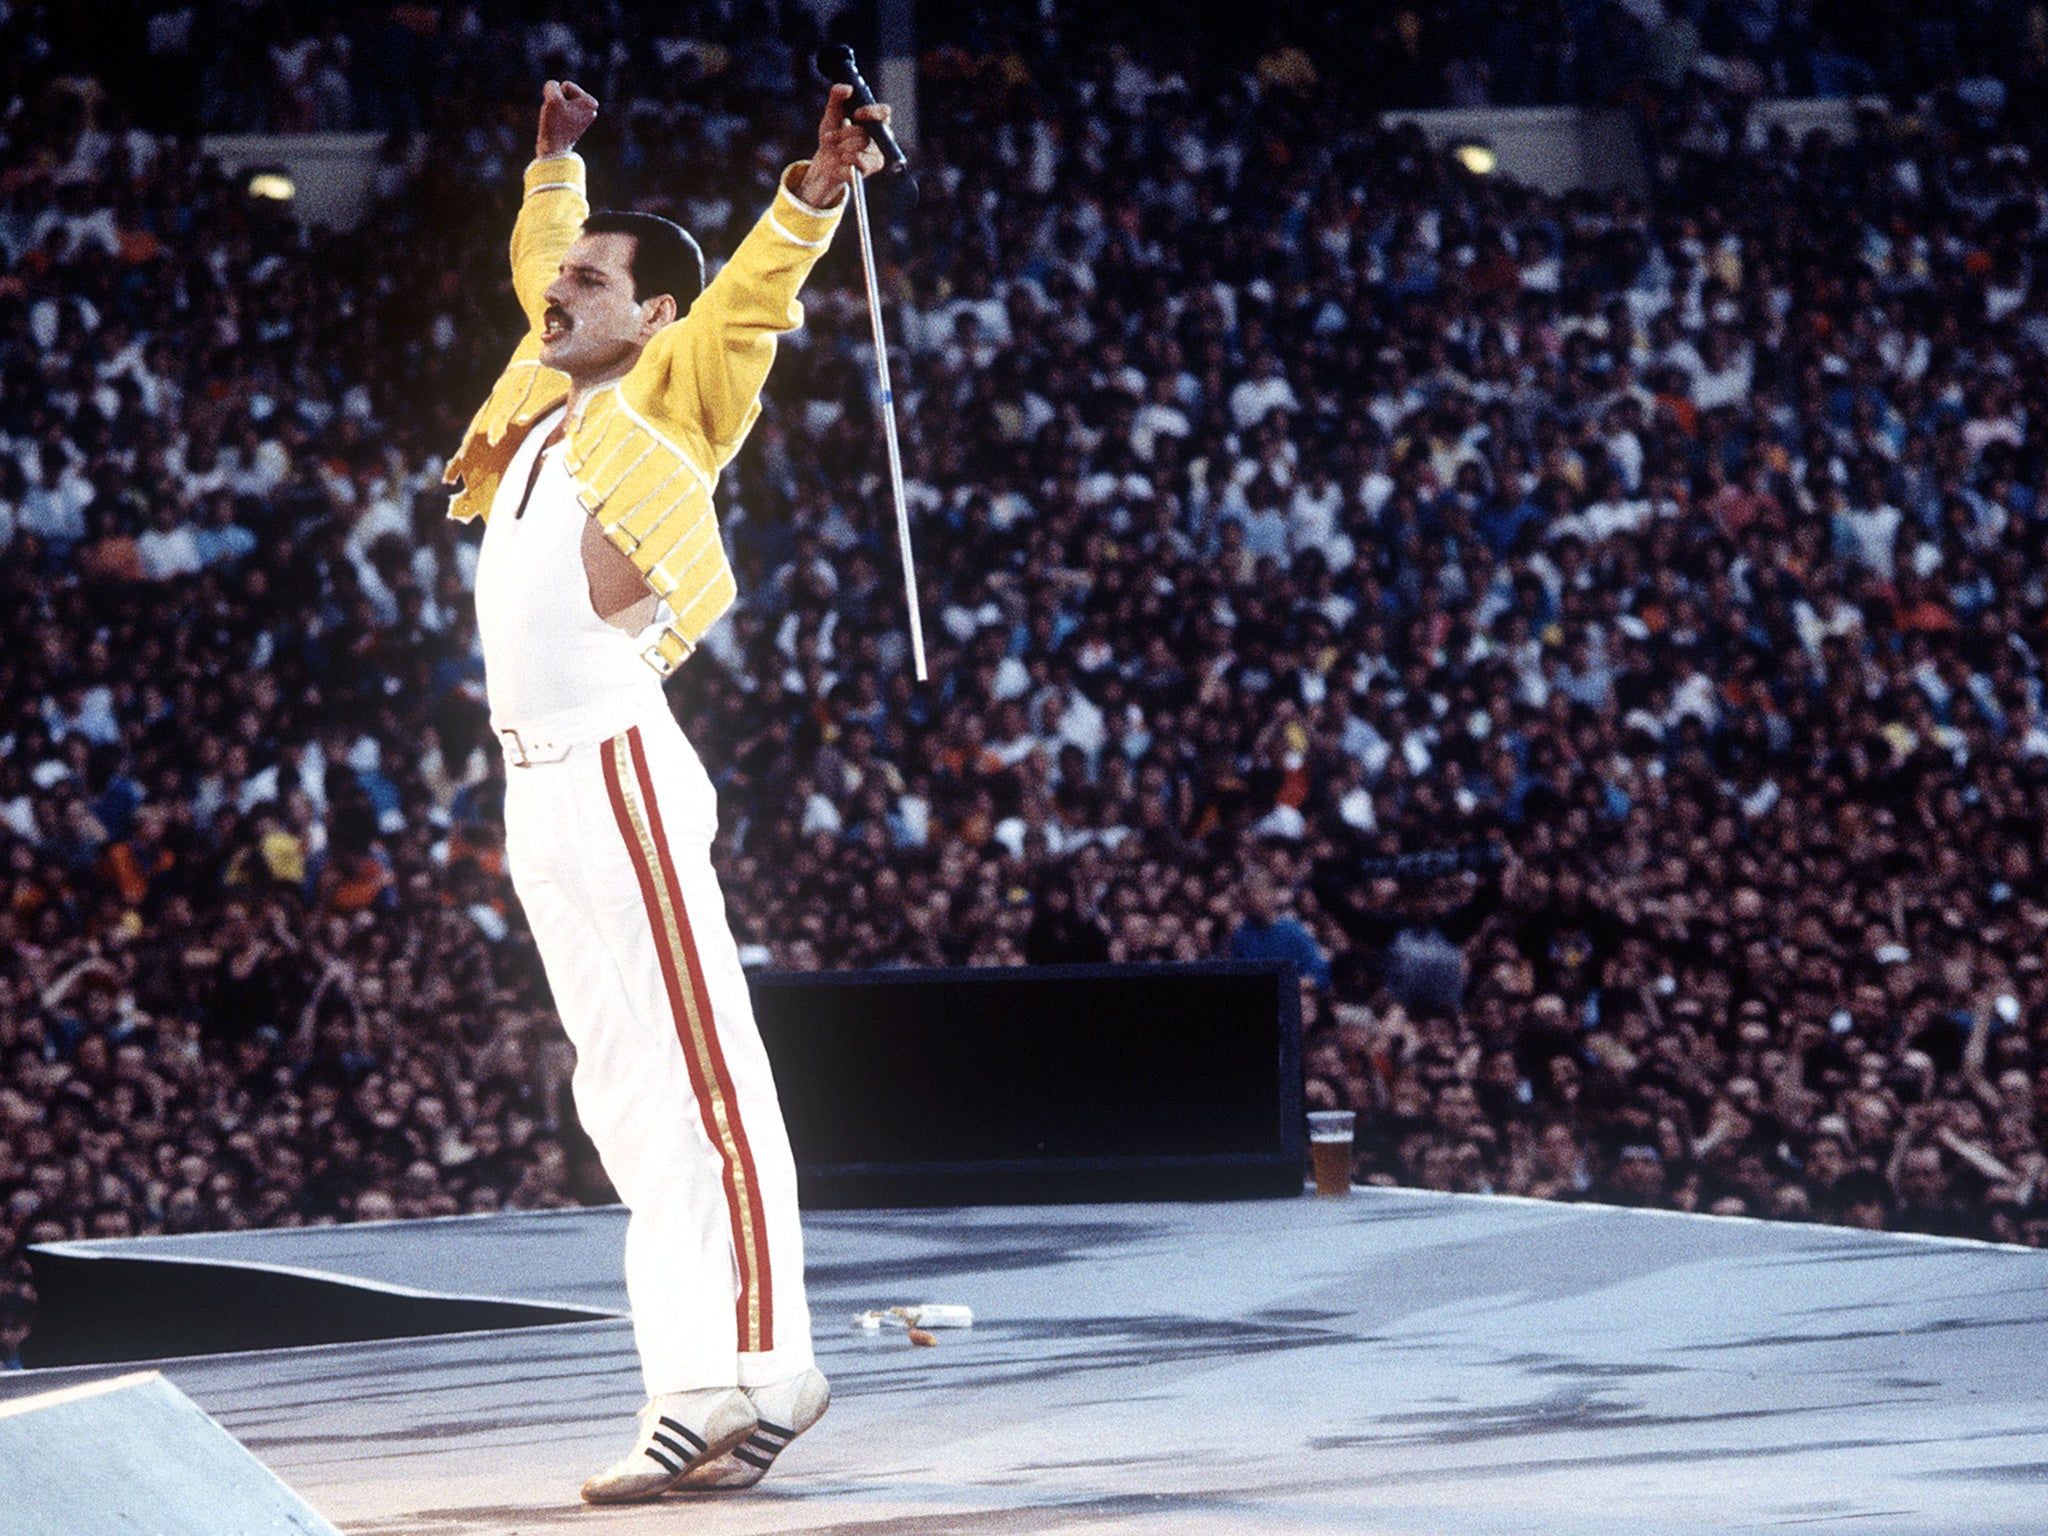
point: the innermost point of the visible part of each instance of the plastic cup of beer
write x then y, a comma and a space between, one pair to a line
1329, 1149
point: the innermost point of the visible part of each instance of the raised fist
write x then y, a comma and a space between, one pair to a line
566, 110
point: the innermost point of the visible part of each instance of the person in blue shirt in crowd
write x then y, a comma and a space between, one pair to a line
1267, 933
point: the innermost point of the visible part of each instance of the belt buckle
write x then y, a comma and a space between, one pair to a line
516, 753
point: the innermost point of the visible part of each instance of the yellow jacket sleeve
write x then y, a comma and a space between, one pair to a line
551, 216
705, 373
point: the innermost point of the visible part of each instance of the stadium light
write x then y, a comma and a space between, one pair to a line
272, 186
1475, 157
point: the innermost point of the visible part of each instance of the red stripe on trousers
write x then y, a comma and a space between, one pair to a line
734, 1176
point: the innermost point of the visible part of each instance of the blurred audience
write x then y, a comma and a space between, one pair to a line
1598, 637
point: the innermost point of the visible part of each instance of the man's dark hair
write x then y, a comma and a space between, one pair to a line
665, 258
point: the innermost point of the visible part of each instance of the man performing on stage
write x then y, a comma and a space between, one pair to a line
594, 461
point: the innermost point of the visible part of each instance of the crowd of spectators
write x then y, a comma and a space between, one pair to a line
286, 66
1598, 636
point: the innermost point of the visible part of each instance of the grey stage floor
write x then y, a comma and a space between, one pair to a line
1390, 1362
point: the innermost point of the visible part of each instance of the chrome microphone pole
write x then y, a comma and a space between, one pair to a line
867, 259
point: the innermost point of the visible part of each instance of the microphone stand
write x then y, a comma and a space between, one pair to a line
867, 259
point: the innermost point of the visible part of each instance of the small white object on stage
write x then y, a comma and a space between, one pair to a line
932, 1314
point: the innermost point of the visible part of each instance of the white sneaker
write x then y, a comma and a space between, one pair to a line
784, 1409
679, 1433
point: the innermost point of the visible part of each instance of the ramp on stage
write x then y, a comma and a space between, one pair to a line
131, 1453
1391, 1362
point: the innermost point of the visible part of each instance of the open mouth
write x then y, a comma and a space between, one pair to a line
554, 323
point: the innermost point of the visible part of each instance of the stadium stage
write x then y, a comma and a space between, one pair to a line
1391, 1362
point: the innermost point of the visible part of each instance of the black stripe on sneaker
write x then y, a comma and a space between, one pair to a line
688, 1434
663, 1462
752, 1457
765, 1428
675, 1447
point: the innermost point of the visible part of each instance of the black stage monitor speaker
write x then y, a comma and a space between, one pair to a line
965, 1087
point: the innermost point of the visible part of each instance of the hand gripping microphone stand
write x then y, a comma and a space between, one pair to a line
837, 66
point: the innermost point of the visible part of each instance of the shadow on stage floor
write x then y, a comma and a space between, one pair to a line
1390, 1362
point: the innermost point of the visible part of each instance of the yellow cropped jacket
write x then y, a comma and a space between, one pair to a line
646, 451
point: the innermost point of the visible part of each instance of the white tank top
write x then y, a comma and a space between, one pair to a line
552, 667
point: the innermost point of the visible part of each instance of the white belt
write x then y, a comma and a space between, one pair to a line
527, 751
550, 738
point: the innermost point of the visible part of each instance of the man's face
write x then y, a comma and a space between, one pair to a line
1261, 901
1826, 1162
592, 328
1639, 1174
1922, 1178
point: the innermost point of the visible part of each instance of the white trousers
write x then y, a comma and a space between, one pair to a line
610, 852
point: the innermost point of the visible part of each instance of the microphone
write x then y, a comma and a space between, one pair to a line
836, 65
